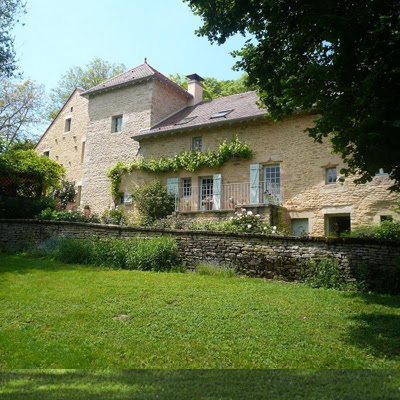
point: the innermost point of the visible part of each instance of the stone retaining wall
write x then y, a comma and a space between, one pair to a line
252, 254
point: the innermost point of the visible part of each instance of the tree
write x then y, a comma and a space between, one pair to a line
9, 12
213, 88
21, 105
340, 57
94, 73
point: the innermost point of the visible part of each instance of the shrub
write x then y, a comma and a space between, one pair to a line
157, 254
325, 274
389, 230
152, 201
65, 193
73, 251
215, 270
72, 216
114, 217
17, 207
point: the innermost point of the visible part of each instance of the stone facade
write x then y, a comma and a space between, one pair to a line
68, 146
251, 254
302, 164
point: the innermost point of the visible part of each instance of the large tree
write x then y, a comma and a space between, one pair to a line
213, 88
9, 12
94, 73
341, 57
21, 106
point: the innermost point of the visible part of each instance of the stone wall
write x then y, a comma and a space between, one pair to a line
251, 254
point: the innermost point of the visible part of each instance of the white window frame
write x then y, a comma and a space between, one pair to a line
115, 127
187, 188
206, 182
197, 143
272, 180
329, 176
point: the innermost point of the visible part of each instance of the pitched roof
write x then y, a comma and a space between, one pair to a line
241, 107
138, 74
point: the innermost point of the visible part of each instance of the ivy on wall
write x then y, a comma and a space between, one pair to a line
189, 161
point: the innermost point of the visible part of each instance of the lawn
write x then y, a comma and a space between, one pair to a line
54, 315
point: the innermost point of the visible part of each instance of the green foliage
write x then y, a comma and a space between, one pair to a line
214, 88
341, 59
65, 193
17, 207
215, 270
116, 216
389, 230
189, 161
325, 274
27, 163
152, 201
9, 13
71, 216
95, 72
156, 254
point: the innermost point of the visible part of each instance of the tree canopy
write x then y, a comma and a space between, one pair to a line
340, 57
213, 88
21, 106
94, 73
9, 12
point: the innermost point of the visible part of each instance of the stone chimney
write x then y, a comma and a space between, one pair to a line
195, 88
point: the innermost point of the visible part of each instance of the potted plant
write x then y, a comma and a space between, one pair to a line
86, 210
207, 203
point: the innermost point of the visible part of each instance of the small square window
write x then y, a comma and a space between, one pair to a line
386, 218
67, 125
46, 154
116, 124
330, 176
381, 172
197, 144
126, 198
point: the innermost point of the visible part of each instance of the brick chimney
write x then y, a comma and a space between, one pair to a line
195, 88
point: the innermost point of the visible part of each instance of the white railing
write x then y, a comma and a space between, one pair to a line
231, 196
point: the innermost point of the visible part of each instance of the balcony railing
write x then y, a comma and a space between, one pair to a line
229, 197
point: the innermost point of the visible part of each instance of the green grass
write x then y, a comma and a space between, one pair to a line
205, 385
54, 315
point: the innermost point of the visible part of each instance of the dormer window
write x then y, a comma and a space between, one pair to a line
197, 143
221, 114
116, 124
185, 120
67, 127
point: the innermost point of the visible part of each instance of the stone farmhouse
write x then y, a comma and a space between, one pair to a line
143, 114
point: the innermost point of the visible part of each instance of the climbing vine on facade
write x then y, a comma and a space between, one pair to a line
189, 161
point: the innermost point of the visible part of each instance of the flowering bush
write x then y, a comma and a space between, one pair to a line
246, 221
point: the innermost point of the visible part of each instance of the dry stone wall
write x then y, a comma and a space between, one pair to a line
251, 254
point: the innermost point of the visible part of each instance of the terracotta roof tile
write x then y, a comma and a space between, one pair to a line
243, 106
134, 75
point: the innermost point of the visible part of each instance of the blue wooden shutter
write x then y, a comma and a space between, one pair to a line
254, 184
217, 187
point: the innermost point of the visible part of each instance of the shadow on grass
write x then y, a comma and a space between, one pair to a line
198, 384
23, 264
378, 299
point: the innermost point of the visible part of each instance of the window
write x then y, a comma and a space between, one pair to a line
337, 224
126, 198
46, 154
72, 109
116, 124
67, 127
187, 187
206, 193
272, 183
83, 152
381, 172
300, 227
386, 218
185, 120
221, 114
197, 144
330, 176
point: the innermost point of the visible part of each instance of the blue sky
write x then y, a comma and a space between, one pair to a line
58, 35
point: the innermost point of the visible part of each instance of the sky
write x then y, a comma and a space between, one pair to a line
57, 35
